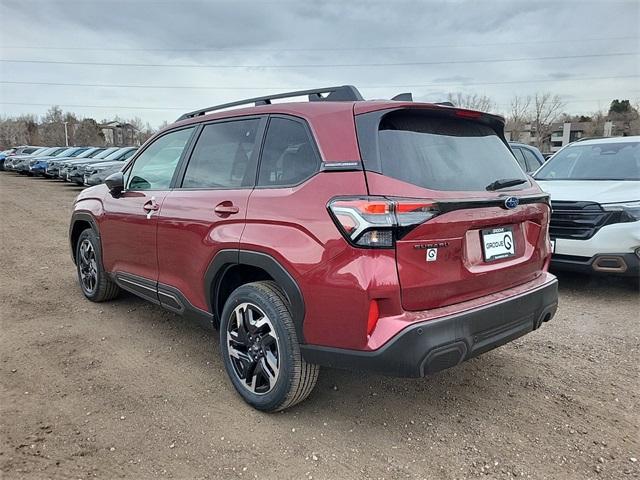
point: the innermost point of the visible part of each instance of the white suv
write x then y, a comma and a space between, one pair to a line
595, 196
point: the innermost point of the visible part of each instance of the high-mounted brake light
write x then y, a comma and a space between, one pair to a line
376, 222
468, 113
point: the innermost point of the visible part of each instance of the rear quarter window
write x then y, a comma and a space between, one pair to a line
443, 153
288, 156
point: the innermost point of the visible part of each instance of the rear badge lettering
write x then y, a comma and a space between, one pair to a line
425, 246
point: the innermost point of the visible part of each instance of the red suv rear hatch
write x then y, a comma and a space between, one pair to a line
483, 237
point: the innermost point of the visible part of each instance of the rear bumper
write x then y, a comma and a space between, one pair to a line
624, 264
430, 346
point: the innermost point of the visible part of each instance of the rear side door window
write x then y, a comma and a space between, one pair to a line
288, 156
222, 157
154, 168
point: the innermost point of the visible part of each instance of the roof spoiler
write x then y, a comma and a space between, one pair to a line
403, 97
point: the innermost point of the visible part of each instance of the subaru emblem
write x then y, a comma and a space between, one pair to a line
511, 203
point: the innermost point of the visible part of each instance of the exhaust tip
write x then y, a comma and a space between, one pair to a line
609, 264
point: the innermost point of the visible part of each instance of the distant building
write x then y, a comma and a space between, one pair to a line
120, 134
563, 133
567, 132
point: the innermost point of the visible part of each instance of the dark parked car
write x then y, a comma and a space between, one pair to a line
393, 236
53, 167
17, 163
99, 174
528, 156
17, 151
75, 171
24, 166
40, 166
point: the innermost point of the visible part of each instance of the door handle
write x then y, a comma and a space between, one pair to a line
224, 209
150, 207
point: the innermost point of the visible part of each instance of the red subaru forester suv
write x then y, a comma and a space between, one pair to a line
391, 236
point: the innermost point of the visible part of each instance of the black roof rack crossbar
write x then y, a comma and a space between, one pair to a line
343, 93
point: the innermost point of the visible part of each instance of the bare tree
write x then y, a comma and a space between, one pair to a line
88, 133
11, 133
472, 101
52, 127
519, 116
49, 129
546, 110
137, 123
596, 126
146, 133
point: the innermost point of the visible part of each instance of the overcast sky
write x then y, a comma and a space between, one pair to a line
234, 49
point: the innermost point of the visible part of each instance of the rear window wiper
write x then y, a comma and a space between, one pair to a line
504, 183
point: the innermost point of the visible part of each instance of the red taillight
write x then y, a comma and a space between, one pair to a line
375, 221
376, 208
412, 207
374, 314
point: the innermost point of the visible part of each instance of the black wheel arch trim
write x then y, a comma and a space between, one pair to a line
81, 216
226, 259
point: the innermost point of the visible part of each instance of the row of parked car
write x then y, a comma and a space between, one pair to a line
81, 165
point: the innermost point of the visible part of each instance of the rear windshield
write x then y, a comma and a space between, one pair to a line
443, 153
601, 161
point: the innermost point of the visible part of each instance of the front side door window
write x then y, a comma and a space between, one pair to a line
129, 229
154, 168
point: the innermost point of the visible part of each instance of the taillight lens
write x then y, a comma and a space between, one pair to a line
375, 222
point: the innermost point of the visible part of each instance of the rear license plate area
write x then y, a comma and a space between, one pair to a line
498, 243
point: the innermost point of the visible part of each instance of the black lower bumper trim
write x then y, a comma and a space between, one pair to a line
428, 347
586, 264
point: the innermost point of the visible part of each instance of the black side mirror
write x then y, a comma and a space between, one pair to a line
115, 183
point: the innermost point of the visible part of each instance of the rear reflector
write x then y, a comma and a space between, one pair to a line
374, 314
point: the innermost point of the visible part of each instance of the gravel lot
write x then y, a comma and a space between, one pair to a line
127, 390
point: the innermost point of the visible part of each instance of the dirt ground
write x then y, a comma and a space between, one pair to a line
127, 390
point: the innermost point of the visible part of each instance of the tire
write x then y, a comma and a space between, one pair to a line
263, 358
94, 281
